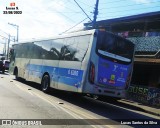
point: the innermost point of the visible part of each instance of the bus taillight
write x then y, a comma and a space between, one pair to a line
128, 81
91, 73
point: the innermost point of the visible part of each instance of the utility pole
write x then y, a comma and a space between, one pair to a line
5, 48
14, 25
95, 13
8, 47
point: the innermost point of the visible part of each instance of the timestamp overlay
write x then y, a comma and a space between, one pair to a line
12, 8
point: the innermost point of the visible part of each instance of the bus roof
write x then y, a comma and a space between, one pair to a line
83, 32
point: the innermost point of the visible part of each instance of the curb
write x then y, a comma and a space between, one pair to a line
150, 110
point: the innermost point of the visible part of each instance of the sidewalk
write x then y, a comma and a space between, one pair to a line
147, 109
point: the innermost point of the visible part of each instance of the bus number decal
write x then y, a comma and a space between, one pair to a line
73, 72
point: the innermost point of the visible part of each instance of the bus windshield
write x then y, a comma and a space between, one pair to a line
114, 47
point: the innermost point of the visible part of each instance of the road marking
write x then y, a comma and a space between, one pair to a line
87, 116
71, 111
20, 87
64, 109
74, 113
56, 106
31, 93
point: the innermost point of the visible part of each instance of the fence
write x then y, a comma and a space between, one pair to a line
145, 95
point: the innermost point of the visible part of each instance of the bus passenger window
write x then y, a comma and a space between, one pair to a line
69, 50
83, 43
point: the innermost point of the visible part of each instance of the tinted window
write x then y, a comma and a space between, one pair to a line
83, 43
46, 47
72, 49
56, 48
18, 51
115, 45
24, 50
29, 50
1, 62
37, 50
69, 50
75, 48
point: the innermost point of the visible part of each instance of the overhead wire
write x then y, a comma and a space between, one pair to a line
66, 6
64, 13
80, 21
4, 37
116, 16
82, 10
112, 2
129, 10
87, 8
61, 13
126, 5
7, 38
73, 26
4, 32
72, 11
85, 4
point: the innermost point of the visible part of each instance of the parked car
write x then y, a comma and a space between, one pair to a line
2, 67
6, 64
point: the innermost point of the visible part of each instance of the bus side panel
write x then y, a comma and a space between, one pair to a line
70, 75
17, 63
87, 87
21, 64
34, 68
51, 67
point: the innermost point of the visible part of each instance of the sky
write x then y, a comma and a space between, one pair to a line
47, 18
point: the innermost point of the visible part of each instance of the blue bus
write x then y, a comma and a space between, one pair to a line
91, 62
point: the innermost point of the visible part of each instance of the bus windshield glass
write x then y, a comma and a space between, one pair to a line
115, 47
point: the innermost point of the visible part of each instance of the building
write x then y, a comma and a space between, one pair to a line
144, 31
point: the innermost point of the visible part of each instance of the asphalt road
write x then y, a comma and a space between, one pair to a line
24, 101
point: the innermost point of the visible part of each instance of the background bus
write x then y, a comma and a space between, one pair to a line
90, 62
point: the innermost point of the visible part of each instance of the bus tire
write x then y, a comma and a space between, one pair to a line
3, 71
45, 84
16, 74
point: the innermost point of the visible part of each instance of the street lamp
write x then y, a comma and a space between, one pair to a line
17, 28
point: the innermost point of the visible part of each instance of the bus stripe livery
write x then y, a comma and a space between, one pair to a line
71, 77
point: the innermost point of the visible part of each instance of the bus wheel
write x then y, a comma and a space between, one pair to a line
45, 84
16, 74
3, 71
